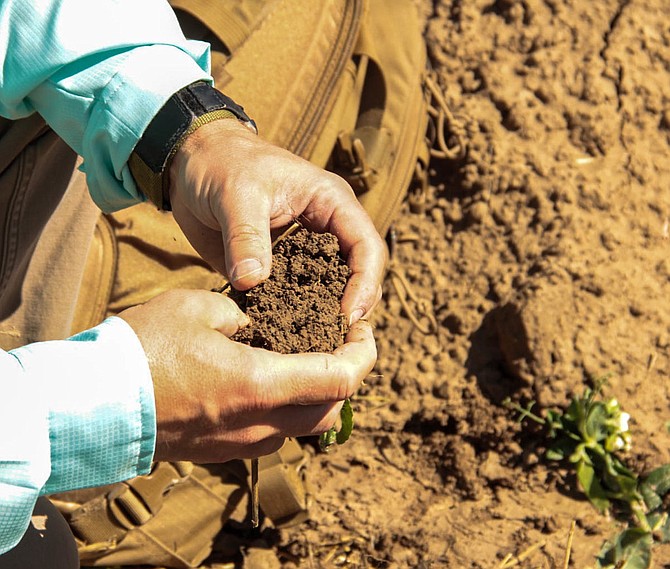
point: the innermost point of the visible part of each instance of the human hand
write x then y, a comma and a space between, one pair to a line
229, 189
217, 399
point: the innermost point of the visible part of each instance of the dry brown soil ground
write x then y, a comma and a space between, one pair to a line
544, 258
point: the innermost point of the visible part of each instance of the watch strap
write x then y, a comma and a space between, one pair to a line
187, 110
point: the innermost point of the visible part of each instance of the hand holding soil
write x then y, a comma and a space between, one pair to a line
217, 399
298, 309
227, 204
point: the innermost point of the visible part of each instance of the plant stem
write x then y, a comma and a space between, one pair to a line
524, 412
254, 493
638, 510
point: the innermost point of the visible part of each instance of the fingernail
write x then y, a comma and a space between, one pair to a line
245, 269
356, 315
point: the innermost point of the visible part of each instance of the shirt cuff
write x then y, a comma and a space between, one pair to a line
24, 450
147, 77
102, 418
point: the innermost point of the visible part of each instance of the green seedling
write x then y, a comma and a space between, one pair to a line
592, 435
332, 436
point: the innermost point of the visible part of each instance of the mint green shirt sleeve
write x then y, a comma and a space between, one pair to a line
97, 72
73, 414
80, 412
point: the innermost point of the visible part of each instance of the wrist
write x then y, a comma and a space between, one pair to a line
183, 114
207, 144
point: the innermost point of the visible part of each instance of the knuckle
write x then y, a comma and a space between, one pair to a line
337, 182
331, 185
244, 233
347, 382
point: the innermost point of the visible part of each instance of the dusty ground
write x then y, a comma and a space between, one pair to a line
544, 257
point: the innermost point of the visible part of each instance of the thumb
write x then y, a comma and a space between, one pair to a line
183, 312
247, 240
226, 316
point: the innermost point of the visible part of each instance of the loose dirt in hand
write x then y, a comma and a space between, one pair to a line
297, 309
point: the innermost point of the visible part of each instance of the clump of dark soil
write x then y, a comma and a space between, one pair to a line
297, 309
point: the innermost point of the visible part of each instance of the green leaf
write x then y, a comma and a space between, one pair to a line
655, 486
332, 436
617, 478
595, 427
347, 417
655, 518
591, 486
620, 468
554, 454
664, 531
574, 410
631, 550
561, 449
659, 480
651, 499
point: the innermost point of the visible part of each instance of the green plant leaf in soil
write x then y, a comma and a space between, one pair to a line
591, 435
333, 436
631, 549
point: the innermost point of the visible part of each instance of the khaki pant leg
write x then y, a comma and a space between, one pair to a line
153, 256
63, 265
46, 225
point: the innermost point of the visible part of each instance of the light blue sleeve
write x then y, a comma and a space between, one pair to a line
97, 72
73, 414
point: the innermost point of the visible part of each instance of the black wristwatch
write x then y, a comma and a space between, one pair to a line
187, 110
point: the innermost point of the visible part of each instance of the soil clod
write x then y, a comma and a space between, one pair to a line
297, 309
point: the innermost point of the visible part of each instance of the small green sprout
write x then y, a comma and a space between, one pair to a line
333, 436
